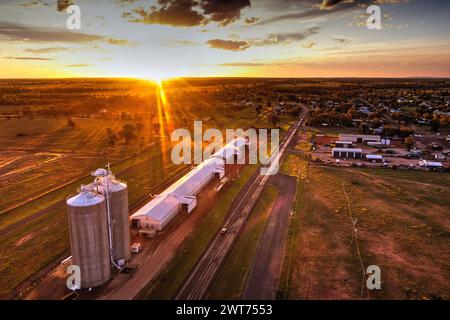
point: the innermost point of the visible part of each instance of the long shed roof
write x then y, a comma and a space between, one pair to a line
161, 206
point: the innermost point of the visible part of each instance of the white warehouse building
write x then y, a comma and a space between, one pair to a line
181, 196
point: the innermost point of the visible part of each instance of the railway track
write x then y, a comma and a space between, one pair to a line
202, 276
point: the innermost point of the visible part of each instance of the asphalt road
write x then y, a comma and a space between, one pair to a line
262, 283
200, 279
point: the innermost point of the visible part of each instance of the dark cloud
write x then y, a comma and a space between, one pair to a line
189, 13
329, 3
62, 5
224, 11
178, 13
28, 58
230, 45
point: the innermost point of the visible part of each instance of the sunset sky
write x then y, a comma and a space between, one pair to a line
262, 38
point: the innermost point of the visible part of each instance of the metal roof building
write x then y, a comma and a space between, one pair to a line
182, 194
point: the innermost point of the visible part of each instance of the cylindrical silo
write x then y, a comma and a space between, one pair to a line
120, 223
89, 243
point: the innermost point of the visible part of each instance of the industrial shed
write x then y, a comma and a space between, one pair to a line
353, 153
359, 138
343, 144
181, 196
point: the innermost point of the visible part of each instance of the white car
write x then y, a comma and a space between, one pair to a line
136, 247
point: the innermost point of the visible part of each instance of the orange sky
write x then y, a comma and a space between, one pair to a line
267, 38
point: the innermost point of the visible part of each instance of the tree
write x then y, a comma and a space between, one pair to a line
71, 124
156, 127
112, 138
273, 119
409, 142
139, 127
127, 133
364, 128
434, 125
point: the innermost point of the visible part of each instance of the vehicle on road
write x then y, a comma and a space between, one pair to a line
136, 247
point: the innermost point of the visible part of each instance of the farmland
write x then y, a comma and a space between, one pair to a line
55, 132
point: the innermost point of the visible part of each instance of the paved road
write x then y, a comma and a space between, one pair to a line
203, 274
262, 283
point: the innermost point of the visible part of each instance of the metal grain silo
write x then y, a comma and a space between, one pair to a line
120, 223
89, 243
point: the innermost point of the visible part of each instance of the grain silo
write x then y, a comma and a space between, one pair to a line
88, 226
120, 228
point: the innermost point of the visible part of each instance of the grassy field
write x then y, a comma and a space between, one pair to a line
167, 284
238, 264
403, 227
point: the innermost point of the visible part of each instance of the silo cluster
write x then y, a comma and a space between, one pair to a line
99, 228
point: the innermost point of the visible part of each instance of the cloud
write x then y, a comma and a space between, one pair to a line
251, 20
175, 43
329, 3
78, 65
285, 38
47, 50
230, 45
188, 13
308, 45
62, 5
28, 58
224, 11
16, 32
35, 3
342, 40
118, 42
178, 13
272, 39
325, 7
